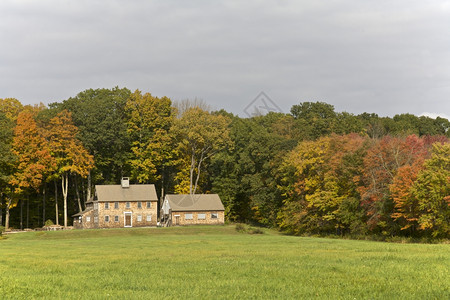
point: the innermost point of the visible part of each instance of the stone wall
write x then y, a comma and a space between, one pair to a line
140, 217
183, 218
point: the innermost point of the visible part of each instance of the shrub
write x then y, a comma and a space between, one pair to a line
49, 223
241, 228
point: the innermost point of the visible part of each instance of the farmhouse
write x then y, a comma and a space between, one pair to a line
192, 209
122, 205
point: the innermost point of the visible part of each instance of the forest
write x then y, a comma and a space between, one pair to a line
312, 171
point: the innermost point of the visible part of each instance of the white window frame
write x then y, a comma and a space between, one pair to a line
116, 205
106, 219
106, 205
149, 204
88, 219
188, 216
139, 218
149, 218
128, 204
139, 204
201, 216
95, 219
214, 215
116, 219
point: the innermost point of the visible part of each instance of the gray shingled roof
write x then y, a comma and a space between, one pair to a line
82, 212
204, 202
136, 192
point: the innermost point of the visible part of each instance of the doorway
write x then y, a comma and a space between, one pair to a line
128, 221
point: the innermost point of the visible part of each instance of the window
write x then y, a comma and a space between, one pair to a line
106, 205
188, 216
88, 219
139, 204
116, 218
214, 216
128, 205
106, 219
149, 217
139, 218
116, 205
95, 219
201, 216
95, 205
149, 205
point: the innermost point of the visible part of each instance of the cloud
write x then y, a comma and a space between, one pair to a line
435, 115
382, 57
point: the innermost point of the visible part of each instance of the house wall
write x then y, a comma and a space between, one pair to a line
98, 220
82, 223
195, 220
113, 212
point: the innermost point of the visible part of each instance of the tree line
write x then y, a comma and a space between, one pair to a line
310, 171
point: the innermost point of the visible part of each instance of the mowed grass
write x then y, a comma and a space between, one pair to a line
216, 262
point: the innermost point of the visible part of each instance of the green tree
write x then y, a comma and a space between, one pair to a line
100, 117
149, 122
432, 190
7, 164
200, 135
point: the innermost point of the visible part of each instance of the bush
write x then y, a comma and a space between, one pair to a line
255, 231
49, 223
241, 228
2, 229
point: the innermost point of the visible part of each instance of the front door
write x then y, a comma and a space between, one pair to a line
127, 222
177, 220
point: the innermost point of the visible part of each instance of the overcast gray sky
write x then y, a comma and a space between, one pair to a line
386, 57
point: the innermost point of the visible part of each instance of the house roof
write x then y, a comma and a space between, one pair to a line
136, 192
197, 202
82, 212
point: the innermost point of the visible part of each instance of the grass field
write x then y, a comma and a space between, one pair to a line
216, 262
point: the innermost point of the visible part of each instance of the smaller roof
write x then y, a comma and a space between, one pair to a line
135, 192
197, 202
82, 212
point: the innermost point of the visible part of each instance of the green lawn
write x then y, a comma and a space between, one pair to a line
216, 262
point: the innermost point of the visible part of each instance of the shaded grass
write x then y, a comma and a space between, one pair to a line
217, 261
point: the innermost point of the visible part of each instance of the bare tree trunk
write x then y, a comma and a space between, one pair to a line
28, 212
8, 205
88, 196
64, 185
78, 195
21, 213
191, 175
56, 203
198, 173
43, 204
1, 215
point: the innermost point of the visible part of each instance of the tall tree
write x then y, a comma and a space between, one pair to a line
32, 151
200, 135
149, 122
432, 191
100, 117
7, 164
69, 154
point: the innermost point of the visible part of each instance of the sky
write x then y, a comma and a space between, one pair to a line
384, 57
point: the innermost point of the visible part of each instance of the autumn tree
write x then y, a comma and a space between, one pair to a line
70, 155
149, 122
319, 185
200, 135
11, 107
32, 151
432, 191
